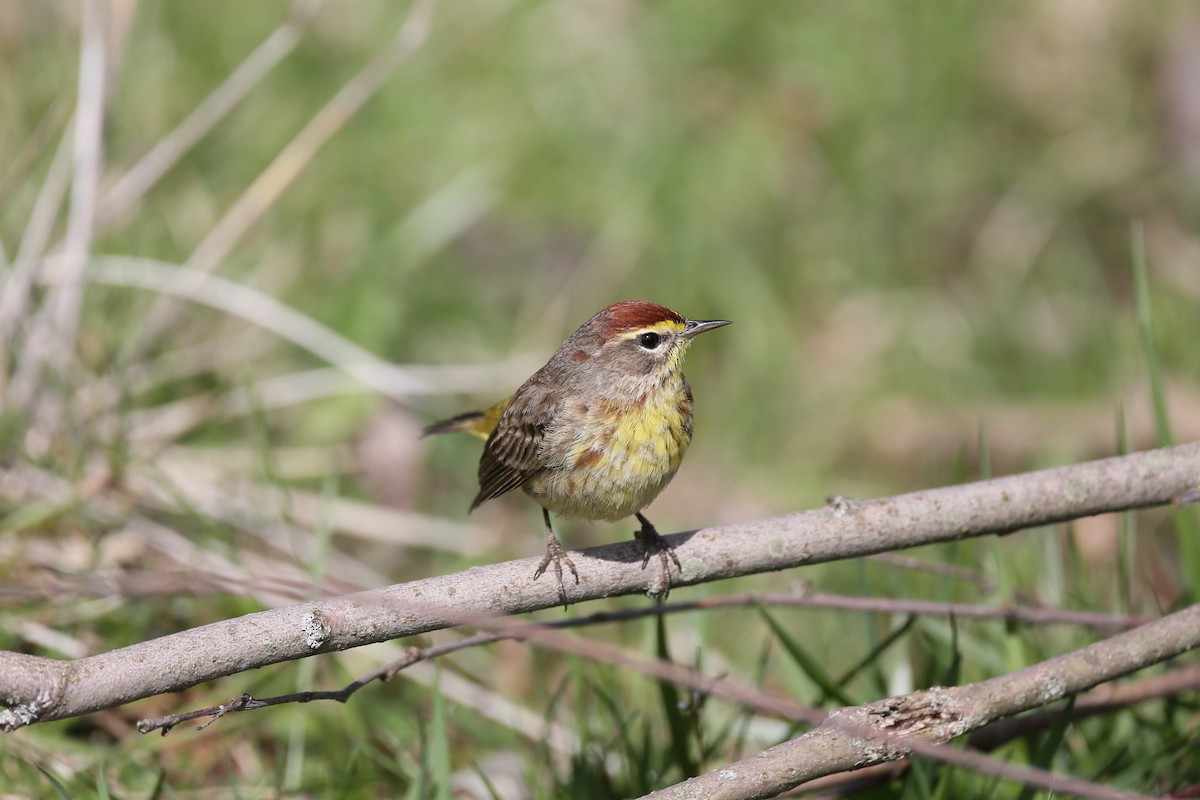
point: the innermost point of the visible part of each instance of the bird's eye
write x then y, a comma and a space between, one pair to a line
649, 340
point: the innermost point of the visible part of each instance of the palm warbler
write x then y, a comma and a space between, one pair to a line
597, 432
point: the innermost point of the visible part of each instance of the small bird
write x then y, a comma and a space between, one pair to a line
599, 431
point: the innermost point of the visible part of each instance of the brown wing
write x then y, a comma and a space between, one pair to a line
510, 457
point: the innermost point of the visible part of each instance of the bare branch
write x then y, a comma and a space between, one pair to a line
37, 689
915, 723
1104, 698
933, 715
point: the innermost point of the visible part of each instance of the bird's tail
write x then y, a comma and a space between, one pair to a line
470, 422
476, 423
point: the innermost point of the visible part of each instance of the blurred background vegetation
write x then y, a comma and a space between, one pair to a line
921, 218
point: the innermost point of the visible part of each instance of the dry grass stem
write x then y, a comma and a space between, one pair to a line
249, 208
67, 298
299, 329
214, 493
134, 184
19, 279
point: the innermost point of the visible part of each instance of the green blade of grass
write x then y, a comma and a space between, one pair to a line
869, 625
636, 751
59, 789
160, 781
37, 514
1053, 740
487, 783
806, 662
954, 668
102, 792
306, 671
1141, 294
946, 784
917, 785
1184, 520
874, 654
672, 707
1127, 550
438, 752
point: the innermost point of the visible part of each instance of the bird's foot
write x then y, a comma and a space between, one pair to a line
654, 544
556, 554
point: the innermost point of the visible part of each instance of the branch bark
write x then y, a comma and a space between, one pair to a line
916, 723
34, 689
1105, 698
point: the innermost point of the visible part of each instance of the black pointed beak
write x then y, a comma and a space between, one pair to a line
695, 326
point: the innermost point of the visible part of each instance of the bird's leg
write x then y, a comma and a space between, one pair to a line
653, 543
557, 555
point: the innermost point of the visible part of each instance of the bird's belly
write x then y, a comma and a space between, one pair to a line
609, 465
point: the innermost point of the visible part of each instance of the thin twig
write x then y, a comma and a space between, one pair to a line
972, 576
841, 785
1035, 615
980, 579
815, 600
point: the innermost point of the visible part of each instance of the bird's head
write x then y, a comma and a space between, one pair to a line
637, 337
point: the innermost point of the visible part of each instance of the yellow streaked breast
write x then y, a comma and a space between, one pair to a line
615, 461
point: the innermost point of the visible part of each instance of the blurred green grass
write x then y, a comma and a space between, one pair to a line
917, 215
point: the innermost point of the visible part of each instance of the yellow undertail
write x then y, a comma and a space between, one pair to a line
477, 423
